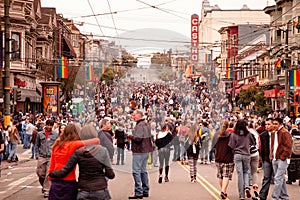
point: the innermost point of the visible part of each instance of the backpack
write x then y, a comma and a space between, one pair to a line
253, 148
296, 146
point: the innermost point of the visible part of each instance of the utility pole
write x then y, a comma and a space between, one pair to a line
7, 64
286, 73
233, 76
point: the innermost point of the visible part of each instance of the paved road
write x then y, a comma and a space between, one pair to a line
20, 182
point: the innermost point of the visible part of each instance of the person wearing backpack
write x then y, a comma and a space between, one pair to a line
293, 171
254, 159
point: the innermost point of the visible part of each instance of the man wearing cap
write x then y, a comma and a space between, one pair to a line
141, 146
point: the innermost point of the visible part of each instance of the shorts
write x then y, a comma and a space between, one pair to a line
225, 170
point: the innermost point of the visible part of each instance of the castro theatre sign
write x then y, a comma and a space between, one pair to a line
194, 37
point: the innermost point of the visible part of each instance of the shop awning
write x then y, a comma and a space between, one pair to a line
68, 48
31, 94
274, 93
236, 87
246, 86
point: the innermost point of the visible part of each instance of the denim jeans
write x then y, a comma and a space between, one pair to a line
27, 138
120, 154
268, 173
140, 174
253, 169
12, 153
204, 151
242, 163
94, 195
279, 190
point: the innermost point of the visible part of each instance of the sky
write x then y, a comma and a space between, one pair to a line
137, 14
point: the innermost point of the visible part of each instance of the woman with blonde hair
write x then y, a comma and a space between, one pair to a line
224, 159
63, 148
192, 146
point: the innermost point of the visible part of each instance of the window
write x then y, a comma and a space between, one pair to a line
15, 46
39, 52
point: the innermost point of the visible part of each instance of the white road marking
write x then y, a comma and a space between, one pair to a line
27, 152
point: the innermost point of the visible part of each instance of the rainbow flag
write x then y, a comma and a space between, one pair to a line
229, 72
294, 78
63, 67
89, 73
207, 58
278, 63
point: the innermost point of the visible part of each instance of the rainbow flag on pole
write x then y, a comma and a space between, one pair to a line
294, 78
63, 67
229, 72
89, 73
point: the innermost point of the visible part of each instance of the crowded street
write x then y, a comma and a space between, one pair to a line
200, 101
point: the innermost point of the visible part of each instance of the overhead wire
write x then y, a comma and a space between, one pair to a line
95, 17
120, 11
112, 17
155, 7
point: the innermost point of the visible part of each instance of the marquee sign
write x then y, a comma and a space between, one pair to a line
194, 38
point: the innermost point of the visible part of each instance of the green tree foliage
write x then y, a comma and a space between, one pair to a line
255, 95
128, 60
108, 76
162, 59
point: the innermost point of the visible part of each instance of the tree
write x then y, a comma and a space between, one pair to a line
128, 60
161, 59
255, 95
108, 76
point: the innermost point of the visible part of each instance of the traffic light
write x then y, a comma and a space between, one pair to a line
19, 95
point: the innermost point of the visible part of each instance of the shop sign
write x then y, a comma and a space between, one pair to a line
19, 82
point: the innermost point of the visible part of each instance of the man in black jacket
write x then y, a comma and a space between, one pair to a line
141, 147
265, 138
120, 137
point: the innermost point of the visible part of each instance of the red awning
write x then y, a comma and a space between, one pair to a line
271, 93
274, 93
236, 87
246, 86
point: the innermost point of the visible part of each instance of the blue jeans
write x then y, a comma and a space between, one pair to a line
140, 174
27, 138
242, 163
12, 153
94, 195
268, 173
279, 191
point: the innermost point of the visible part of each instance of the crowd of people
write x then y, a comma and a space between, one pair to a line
158, 123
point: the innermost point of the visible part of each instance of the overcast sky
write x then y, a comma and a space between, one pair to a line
136, 14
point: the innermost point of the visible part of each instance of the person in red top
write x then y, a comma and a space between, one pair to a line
66, 188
